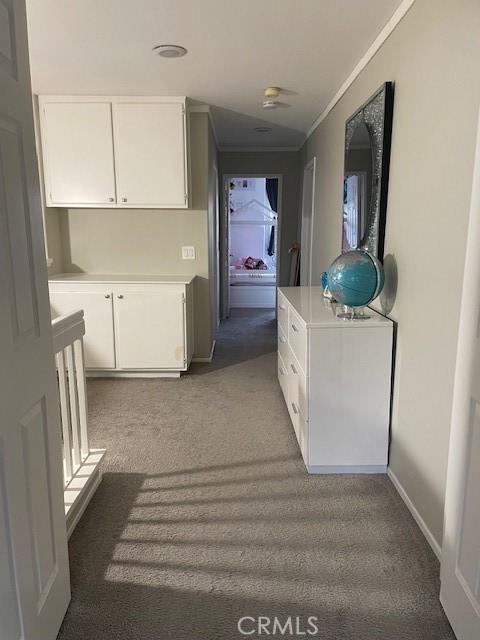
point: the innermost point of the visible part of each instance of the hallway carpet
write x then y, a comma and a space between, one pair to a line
206, 515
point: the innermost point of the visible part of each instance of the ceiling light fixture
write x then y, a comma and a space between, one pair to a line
262, 129
170, 50
272, 92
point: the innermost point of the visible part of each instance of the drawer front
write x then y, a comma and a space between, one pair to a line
300, 428
282, 313
283, 348
283, 376
297, 338
297, 383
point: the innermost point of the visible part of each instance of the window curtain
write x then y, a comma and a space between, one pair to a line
271, 187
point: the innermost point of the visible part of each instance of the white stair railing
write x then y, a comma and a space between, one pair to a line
81, 465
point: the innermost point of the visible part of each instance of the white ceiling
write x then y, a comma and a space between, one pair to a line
236, 48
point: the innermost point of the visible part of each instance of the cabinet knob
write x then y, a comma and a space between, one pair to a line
120, 296
107, 295
124, 199
111, 199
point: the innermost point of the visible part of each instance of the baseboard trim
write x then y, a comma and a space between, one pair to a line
436, 548
326, 469
209, 358
132, 374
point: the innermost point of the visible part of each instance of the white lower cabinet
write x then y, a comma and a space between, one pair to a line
150, 328
130, 327
98, 313
335, 376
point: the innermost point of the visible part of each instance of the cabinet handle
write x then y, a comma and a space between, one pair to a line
107, 295
111, 199
124, 199
294, 408
282, 339
281, 371
293, 368
120, 296
294, 328
282, 307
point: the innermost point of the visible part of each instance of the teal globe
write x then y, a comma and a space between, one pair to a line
355, 278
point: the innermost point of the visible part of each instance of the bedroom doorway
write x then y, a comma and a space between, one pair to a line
251, 239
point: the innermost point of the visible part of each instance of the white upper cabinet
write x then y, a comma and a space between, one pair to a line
150, 154
77, 146
114, 151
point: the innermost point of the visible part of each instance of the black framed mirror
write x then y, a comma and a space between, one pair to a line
365, 184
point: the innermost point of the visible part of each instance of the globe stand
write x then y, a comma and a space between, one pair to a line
352, 313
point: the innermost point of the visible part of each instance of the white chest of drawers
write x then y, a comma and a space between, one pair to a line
336, 379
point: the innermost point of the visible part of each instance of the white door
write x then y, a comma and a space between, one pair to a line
217, 250
308, 197
77, 144
460, 571
150, 154
150, 328
226, 252
34, 575
98, 313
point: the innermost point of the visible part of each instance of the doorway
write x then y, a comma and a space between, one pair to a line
251, 241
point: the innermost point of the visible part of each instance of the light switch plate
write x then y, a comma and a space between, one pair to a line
188, 253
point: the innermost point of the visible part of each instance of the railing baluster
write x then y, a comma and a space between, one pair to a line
81, 466
65, 417
77, 455
82, 396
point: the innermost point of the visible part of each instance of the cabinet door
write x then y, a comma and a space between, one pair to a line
150, 329
77, 145
150, 154
98, 313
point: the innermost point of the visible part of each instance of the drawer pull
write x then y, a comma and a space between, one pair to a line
282, 307
282, 339
293, 368
294, 408
294, 328
107, 295
120, 296
281, 371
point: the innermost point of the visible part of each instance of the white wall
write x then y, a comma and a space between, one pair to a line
432, 56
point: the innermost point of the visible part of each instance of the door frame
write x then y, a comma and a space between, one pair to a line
225, 232
311, 165
452, 595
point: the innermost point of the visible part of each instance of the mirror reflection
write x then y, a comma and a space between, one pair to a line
357, 188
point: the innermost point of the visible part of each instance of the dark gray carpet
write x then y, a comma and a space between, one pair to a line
206, 514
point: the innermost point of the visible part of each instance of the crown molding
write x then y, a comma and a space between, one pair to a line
396, 18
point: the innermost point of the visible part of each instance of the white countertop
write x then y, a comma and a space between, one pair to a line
316, 311
122, 278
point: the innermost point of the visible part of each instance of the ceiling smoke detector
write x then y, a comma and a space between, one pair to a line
270, 104
170, 50
262, 129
